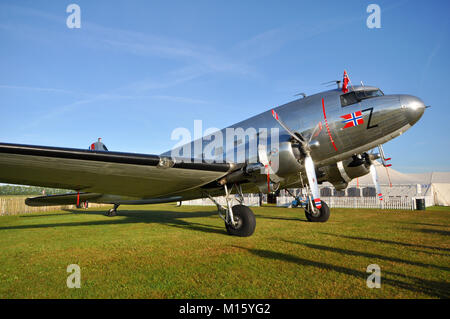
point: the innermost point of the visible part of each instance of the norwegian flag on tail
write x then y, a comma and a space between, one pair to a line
345, 82
353, 119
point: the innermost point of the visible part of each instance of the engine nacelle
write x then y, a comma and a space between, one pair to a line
284, 162
288, 157
341, 173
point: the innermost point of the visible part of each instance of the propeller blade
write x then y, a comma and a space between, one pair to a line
312, 179
316, 131
268, 170
291, 133
373, 172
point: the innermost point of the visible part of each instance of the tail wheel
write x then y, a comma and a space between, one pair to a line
317, 215
111, 213
245, 222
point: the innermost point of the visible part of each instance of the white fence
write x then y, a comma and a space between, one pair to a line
249, 200
365, 202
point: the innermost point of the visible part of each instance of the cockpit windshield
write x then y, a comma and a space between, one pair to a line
357, 96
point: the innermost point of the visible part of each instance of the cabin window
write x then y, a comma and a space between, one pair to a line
357, 96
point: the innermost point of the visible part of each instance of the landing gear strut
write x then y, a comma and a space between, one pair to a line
239, 219
113, 211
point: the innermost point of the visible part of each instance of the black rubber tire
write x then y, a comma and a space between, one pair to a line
111, 213
322, 217
246, 222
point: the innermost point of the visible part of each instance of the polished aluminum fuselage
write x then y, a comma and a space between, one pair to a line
385, 117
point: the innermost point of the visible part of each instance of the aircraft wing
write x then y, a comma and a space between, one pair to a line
127, 174
62, 199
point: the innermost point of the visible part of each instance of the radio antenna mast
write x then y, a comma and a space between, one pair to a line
338, 83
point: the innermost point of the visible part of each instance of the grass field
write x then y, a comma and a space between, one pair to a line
163, 251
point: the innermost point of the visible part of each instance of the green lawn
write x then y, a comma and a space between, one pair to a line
163, 251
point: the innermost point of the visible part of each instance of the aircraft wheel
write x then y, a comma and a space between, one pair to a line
245, 222
317, 215
111, 213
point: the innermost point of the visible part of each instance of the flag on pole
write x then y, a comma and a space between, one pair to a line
345, 82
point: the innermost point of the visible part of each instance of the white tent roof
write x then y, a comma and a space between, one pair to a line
396, 177
433, 177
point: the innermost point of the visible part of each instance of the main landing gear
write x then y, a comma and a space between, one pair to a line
319, 213
239, 219
314, 214
113, 211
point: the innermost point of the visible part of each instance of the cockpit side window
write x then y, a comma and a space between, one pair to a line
348, 99
357, 96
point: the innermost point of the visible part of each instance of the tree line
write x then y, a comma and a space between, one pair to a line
30, 190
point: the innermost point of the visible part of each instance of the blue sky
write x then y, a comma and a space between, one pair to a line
136, 70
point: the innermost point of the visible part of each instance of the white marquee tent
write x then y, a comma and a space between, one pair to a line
435, 184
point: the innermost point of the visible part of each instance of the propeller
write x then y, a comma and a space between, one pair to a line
309, 163
368, 160
373, 172
312, 180
267, 162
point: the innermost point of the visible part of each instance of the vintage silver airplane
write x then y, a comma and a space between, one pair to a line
323, 137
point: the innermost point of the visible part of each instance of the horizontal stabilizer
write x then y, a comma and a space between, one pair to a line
63, 199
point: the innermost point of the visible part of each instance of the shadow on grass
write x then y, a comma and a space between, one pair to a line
281, 218
300, 212
169, 218
431, 253
367, 255
384, 241
432, 231
72, 211
428, 287
426, 224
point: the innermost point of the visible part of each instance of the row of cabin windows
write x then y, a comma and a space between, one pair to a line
353, 97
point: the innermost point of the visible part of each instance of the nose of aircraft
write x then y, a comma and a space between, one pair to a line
414, 107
